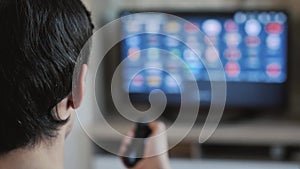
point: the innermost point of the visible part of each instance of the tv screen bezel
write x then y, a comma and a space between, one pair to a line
142, 98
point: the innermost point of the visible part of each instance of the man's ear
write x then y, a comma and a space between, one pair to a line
78, 91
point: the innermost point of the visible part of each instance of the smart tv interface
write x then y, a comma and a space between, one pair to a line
251, 45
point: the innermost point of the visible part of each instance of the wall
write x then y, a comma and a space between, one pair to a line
78, 150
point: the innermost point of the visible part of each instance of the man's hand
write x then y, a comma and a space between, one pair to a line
155, 146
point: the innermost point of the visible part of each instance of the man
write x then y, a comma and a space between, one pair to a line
39, 44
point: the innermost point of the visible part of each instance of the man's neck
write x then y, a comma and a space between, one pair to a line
42, 156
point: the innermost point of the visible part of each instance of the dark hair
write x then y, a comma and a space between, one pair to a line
40, 41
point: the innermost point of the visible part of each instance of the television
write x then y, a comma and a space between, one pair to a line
251, 45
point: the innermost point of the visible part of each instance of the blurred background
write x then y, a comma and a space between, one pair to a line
262, 134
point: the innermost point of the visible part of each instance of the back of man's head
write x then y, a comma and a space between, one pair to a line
39, 44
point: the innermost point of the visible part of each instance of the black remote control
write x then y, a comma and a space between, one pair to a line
135, 151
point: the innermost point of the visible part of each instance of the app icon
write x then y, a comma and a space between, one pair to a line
173, 81
211, 55
192, 41
195, 65
231, 26
154, 80
253, 53
253, 27
240, 17
274, 70
133, 41
175, 53
171, 41
212, 27
190, 56
280, 17
153, 40
133, 26
232, 69
273, 42
211, 40
153, 53
191, 27
252, 41
253, 62
232, 39
193, 74
134, 54
138, 81
264, 17
156, 66
152, 26
173, 66
172, 27
274, 28
232, 54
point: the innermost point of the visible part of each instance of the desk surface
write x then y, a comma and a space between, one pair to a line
105, 162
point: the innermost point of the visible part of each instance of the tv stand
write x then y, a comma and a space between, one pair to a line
228, 117
276, 134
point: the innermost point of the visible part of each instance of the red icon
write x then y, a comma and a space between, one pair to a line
232, 54
134, 54
274, 70
138, 80
252, 41
274, 28
231, 26
191, 27
232, 69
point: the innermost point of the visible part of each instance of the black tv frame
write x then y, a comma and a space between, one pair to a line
142, 99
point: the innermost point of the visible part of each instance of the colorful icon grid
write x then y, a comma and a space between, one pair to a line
252, 47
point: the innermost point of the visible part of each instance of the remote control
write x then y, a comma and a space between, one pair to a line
135, 151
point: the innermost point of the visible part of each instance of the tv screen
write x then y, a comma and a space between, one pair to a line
252, 46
